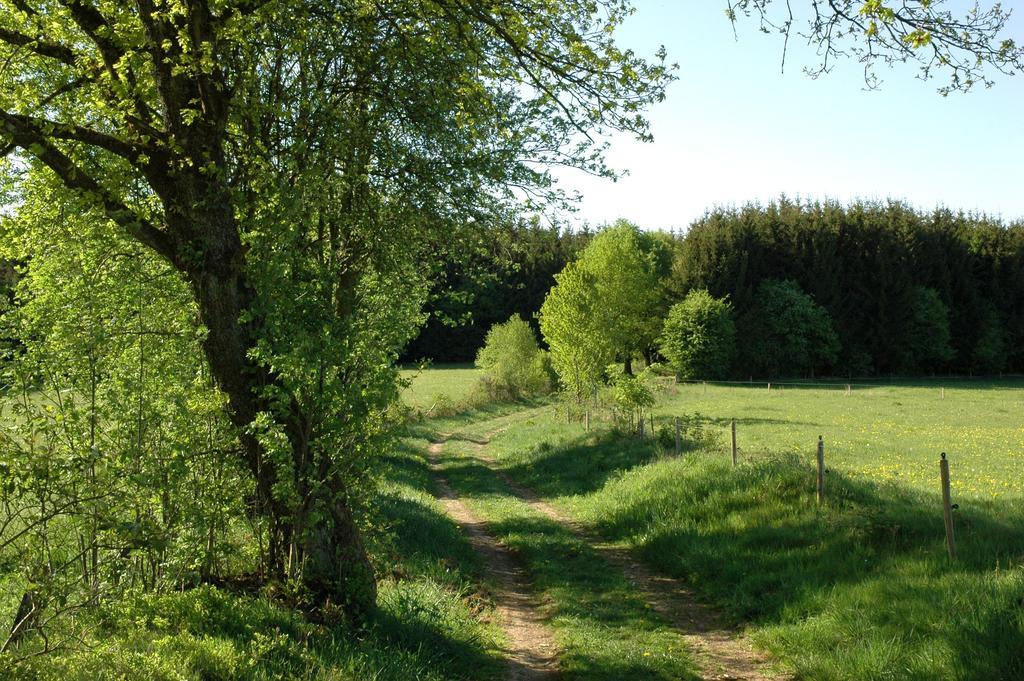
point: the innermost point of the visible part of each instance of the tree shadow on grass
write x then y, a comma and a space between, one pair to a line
753, 541
581, 464
606, 628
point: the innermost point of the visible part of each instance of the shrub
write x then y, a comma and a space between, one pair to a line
514, 366
699, 336
632, 396
697, 432
787, 333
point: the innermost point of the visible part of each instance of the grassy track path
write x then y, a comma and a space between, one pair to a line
532, 653
722, 653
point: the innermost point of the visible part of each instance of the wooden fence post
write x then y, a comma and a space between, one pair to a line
942, 393
769, 386
947, 508
847, 388
734, 442
705, 387
821, 470
679, 438
587, 419
654, 433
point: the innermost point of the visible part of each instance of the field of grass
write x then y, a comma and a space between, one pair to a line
883, 433
858, 589
454, 381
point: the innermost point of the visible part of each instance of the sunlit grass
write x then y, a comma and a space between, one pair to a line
882, 433
455, 381
858, 589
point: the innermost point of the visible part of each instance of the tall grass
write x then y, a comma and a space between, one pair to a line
859, 588
433, 621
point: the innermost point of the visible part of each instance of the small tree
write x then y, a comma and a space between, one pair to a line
786, 332
513, 363
699, 336
579, 351
633, 396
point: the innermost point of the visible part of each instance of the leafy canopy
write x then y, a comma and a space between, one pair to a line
699, 336
787, 333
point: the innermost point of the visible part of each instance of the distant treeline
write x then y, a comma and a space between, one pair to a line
507, 272
867, 264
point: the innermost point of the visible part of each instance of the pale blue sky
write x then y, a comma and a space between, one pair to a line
733, 129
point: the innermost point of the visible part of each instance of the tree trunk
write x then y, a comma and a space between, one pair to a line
25, 620
628, 365
337, 569
335, 566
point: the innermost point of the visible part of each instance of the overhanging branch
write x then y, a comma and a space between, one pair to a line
75, 178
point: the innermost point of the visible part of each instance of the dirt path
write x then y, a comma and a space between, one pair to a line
532, 652
722, 653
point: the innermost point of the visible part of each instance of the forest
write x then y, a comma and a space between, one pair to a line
866, 264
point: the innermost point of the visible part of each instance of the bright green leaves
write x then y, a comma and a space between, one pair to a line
699, 336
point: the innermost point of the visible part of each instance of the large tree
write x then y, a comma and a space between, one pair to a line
624, 266
292, 161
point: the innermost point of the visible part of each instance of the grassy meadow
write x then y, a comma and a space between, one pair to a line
452, 384
858, 589
886, 433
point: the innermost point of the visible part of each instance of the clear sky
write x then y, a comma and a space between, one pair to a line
734, 129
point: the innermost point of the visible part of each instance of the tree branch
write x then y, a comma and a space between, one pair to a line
43, 48
75, 178
65, 131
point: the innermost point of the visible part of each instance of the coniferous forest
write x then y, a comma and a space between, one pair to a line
876, 267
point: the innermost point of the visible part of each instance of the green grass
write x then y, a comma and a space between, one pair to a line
432, 622
454, 381
604, 628
884, 432
859, 589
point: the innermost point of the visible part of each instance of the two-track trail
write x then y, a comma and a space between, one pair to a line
531, 652
722, 653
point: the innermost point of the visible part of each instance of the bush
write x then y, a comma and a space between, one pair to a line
696, 432
514, 366
787, 333
632, 396
699, 336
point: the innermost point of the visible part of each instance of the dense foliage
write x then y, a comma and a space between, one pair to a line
578, 354
514, 366
282, 174
875, 268
785, 333
487, 277
867, 264
699, 336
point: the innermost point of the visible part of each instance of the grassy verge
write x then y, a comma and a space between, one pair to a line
859, 589
432, 621
604, 628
